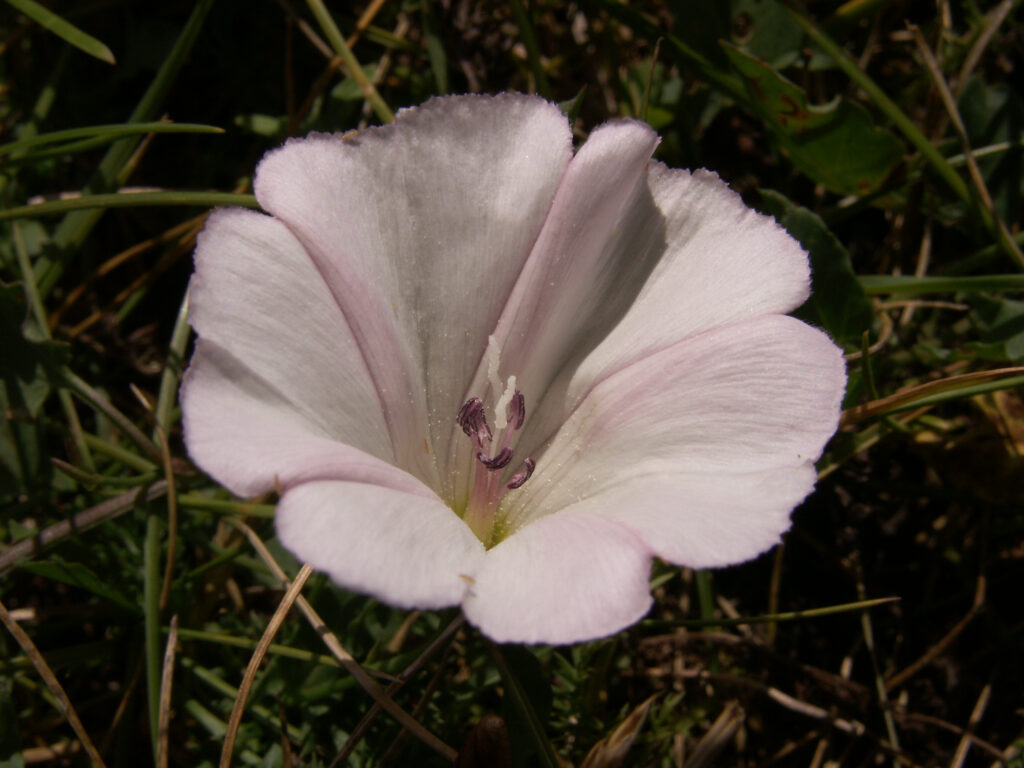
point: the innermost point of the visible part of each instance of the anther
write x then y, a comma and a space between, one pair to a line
498, 462
473, 420
521, 477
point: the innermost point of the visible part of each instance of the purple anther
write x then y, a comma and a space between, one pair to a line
498, 462
521, 477
516, 411
473, 420
469, 415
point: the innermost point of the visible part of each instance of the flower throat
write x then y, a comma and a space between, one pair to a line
492, 450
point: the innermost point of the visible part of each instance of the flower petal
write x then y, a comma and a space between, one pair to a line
708, 521
245, 432
754, 396
410, 551
686, 256
420, 228
570, 270
564, 579
257, 296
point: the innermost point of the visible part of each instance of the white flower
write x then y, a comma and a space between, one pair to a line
487, 372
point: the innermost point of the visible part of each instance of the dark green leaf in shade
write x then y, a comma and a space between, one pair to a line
526, 704
765, 30
78, 575
44, 17
1001, 326
835, 144
27, 366
707, 22
838, 302
27, 370
487, 745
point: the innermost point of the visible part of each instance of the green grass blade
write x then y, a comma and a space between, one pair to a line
108, 132
152, 579
76, 226
908, 285
355, 71
130, 200
65, 30
529, 39
770, 618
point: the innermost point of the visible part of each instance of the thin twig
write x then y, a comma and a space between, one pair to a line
257, 658
52, 683
979, 598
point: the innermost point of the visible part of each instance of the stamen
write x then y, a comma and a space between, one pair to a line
468, 415
521, 477
498, 462
473, 420
516, 412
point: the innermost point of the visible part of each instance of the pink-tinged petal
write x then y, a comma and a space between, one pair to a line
410, 551
258, 297
420, 229
252, 438
707, 521
570, 269
563, 579
760, 395
720, 262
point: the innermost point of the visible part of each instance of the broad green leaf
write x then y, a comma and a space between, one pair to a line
78, 575
1001, 326
835, 144
765, 30
838, 302
46, 18
27, 367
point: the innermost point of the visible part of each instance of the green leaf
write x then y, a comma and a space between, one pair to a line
1001, 326
765, 30
838, 302
64, 29
835, 144
78, 575
27, 366
526, 705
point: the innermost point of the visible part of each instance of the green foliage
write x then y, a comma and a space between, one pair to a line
920, 494
835, 144
838, 302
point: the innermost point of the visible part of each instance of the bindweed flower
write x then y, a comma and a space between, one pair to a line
486, 371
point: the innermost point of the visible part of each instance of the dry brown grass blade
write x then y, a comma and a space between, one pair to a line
611, 751
718, 736
973, 172
81, 521
166, 682
52, 683
901, 677
912, 394
121, 258
257, 658
352, 666
976, 714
